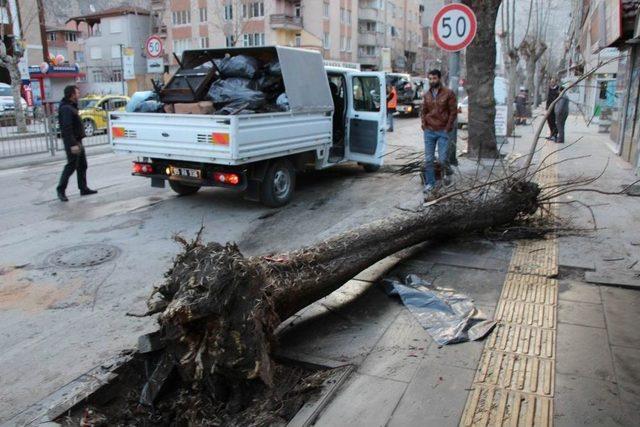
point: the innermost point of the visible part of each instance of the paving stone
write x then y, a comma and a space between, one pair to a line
363, 401
585, 401
584, 351
571, 290
626, 362
581, 313
435, 397
615, 278
462, 355
622, 312
398, 354
630, 401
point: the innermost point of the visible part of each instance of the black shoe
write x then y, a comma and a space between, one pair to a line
87, 192
62, 196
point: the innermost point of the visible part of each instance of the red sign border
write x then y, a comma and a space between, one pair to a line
147, 44
474, 26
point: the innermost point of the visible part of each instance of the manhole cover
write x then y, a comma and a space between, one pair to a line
83, 255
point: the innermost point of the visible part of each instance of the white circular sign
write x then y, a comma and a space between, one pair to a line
154, 47
454, 27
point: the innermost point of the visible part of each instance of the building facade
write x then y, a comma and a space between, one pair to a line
336, 28
107, 36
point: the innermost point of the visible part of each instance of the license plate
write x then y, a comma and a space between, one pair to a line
186, 172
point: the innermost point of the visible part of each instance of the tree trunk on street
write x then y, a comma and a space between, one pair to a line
481, 63
220, 309
16, 84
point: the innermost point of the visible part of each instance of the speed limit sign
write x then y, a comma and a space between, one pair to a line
154, 47
454, 27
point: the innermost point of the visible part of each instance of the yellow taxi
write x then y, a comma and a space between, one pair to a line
94, 110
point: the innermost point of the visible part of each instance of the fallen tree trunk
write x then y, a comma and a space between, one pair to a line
219, 309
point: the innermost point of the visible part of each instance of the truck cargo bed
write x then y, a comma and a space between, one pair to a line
225, 140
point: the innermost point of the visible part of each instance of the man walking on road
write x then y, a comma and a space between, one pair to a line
392, 104
72, 134
439, 111
552, 94
561, 111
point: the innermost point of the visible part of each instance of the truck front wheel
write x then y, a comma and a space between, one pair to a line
279, 184
183, 189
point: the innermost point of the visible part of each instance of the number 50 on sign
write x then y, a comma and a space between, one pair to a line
454, 27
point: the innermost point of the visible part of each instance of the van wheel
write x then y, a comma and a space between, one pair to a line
183, 189
278, 185
370, 168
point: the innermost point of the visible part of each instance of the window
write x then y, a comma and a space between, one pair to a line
115, 25
229, 41
78, 56
326, 41
345, 16
204, 42
203, 14
116, 76
258, 9
297, 10
343, 43
298, 41
348, 49
116, 52
348, 17
228, 12
367, 51
325, 10
71, 37
255, 39
180, 45
366, 93
96, 52
181, 17
98, 76
51, 37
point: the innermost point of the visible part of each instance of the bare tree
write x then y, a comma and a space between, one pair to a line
481, 63
534, 44
10, 59
232, 17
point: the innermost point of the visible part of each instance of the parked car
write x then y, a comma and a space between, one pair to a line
94, 110
500, 89
407, 90
7, 106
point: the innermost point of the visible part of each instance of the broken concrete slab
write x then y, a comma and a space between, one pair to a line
621, 308
622, 279
583, 351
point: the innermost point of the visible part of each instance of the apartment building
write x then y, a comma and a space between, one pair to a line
329, 26
390, 35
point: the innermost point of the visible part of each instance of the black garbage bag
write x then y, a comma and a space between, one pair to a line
268, 83
150, 106
236, 107
274, 69
238, 66
236, 91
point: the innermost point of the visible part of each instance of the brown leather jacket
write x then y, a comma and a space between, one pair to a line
440, 112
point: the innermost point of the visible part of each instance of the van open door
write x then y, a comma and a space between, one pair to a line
366, 119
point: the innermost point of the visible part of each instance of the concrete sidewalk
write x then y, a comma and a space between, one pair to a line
593, 366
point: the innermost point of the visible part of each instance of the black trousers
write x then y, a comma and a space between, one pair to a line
551, 121
75, 163
560, 121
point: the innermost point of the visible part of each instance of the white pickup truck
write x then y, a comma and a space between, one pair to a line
335, 116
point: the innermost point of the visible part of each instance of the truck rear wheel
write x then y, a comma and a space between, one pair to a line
183, 189
370, 168
279, 184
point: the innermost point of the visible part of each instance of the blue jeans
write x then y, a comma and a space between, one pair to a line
390, 120
433, 139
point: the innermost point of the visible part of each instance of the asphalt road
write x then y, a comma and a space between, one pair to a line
57, 322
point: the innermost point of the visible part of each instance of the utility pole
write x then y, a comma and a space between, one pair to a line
124, 91
43, 31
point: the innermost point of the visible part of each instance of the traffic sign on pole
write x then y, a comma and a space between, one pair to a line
153, 47
454, 27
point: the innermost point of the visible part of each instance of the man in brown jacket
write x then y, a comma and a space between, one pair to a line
439, 111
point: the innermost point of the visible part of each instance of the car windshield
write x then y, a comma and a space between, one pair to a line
5, 91
87, 103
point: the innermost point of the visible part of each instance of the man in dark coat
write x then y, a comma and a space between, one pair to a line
72, 133
561, 110
552, 94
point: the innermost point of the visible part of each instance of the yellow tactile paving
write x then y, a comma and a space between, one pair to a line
514, 383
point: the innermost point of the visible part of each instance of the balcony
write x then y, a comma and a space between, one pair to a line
370, 38
368, 14
285, 22
369, 60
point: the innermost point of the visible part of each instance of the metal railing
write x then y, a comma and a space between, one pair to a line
41, 136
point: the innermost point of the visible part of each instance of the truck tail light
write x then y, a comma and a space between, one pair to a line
142, 168
219, 138
226, 178
118, 132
